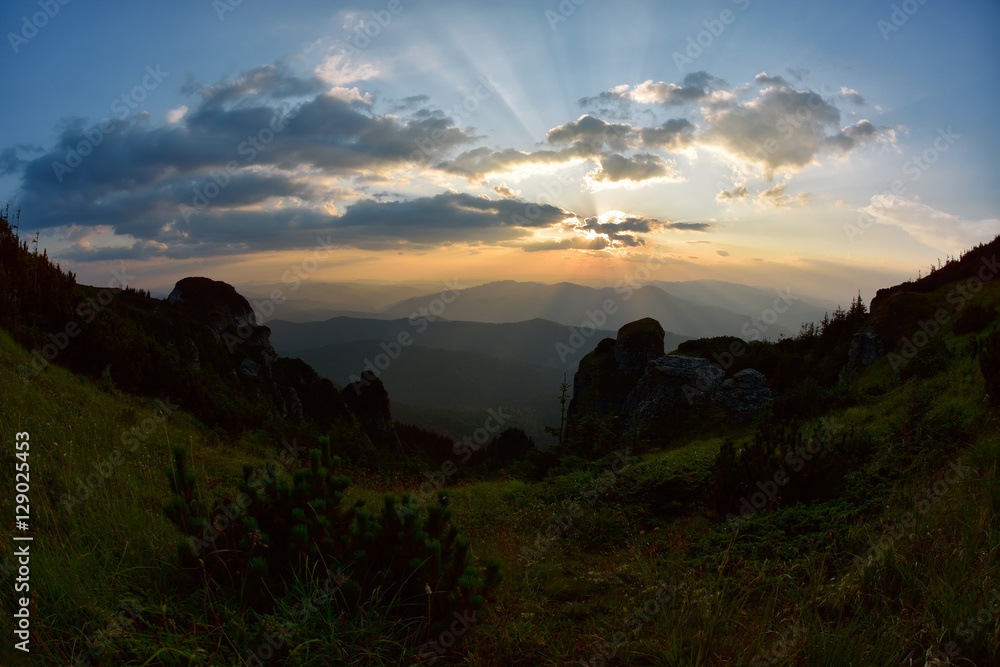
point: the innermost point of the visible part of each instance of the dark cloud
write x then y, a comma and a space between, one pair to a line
722, 252
636, 224
691, 226
578, 243
426, 222
672, 134
640, 167
10, 158
591, 135
268, 81
861, 133
120, 168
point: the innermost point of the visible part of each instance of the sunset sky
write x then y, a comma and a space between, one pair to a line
826, 145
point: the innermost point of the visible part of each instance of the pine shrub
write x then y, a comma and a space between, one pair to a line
283, 524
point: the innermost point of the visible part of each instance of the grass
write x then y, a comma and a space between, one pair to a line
783, 589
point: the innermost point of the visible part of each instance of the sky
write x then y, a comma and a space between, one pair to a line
828, 146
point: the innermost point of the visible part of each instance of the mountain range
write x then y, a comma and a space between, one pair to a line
690, 308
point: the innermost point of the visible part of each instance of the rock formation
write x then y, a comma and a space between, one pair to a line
865, 349
241, 351
607, 374
214, 299
370, 402
630, 378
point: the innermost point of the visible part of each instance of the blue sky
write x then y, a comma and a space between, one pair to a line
600, 137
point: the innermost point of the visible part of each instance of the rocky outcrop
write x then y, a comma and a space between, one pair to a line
671, 383
864, 350
638, 343
370, 402
675, 385
743, 395
607, 374
630, 378
215, 300
234, 345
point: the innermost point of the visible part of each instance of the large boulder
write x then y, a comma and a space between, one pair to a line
607, 374
743, 395
676, 386
671, 383
865, 348
636, 344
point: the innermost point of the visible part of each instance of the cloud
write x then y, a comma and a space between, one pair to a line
852, 96
722, 253
338, 69
576, 243
287, 157
691, 226
764, 79
273, 81
738, 192
480, 162
615, 168
697, 87
504, 191
672, 134
422, 223
140, 174
592, 135
410, 103
777, 198
784, 129
175, 115
621, 229
11, 161
862, 133
936, 229
587, 138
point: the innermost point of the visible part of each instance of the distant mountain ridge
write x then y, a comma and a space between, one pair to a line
748, 300
575, 305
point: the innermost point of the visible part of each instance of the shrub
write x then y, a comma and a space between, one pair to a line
784, 465
928, 361
275, 532
973, 319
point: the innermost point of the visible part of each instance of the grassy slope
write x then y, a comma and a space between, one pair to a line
115, 547
735, 598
